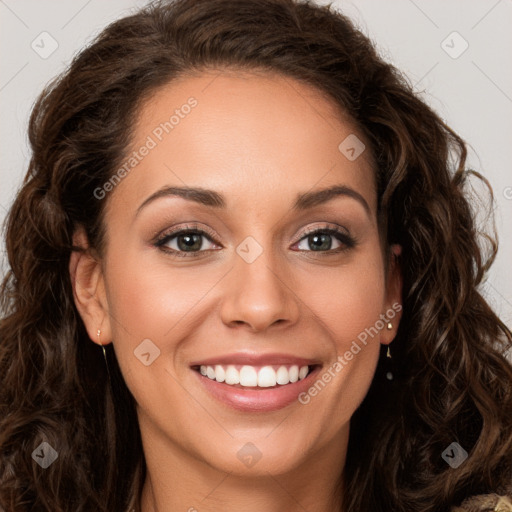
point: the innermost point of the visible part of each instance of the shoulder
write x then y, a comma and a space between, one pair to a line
485, 503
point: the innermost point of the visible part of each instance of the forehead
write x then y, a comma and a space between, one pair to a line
247, 134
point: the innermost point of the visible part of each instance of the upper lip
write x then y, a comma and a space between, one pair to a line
252, 359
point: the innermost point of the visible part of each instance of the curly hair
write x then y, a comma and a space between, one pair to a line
452, 381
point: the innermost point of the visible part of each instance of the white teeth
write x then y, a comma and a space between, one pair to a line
232, 375
282, 376
266, 377
220, 374
250, 376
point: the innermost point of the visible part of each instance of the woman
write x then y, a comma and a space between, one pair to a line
264, 234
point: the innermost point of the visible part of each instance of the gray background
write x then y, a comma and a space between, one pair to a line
472, 91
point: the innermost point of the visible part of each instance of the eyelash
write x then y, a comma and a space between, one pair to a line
345, 239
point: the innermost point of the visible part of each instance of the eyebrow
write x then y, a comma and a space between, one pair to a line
214, 199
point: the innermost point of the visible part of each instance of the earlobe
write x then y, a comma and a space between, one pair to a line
89, 290
394, 307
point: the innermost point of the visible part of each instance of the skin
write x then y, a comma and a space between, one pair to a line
258, 139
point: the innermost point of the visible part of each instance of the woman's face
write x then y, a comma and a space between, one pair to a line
256, 298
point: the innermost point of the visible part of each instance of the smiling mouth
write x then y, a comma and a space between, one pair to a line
255, 377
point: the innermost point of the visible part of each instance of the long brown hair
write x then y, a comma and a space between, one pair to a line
451, 381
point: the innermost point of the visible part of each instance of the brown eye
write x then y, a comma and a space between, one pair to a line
186, 241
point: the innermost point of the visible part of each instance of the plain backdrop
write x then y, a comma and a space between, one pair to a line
456, 53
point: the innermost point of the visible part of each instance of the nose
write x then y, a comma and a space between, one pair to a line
259, 294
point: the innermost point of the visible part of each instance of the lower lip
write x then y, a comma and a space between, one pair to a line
260, 400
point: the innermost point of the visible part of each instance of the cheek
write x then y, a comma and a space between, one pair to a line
148, 299
348, 300
149, 310
157, 301
352, 318
348, 304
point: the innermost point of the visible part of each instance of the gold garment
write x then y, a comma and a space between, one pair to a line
485, 503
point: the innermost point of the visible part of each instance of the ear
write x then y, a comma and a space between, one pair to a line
89, 289
393, 303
